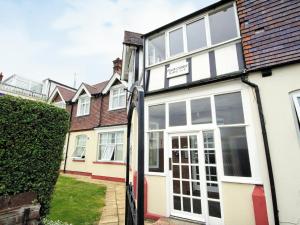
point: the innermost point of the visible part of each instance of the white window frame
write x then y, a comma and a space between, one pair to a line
82, 98
113, 145
82, 155
208, 36
197, 94
295, 96
119, 95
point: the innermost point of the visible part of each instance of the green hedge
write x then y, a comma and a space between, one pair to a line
32, 136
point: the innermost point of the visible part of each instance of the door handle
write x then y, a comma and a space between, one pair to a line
170, 163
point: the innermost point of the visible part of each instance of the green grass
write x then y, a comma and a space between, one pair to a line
77, 202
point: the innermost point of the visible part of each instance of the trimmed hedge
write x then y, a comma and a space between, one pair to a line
32, 136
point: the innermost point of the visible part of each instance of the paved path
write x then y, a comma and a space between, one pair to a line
113, 212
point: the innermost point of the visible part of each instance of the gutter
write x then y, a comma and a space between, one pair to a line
68, 141
244, 79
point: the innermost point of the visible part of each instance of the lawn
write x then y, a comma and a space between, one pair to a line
77, 202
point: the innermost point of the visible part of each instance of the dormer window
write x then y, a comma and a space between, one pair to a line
117, 97
83, 107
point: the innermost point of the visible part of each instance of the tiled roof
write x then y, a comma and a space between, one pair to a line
67, 94
133, 38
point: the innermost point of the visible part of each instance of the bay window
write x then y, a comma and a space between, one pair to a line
203, 32
110, 146
157, 124
117, 97
83, 107
80, 147
156, 49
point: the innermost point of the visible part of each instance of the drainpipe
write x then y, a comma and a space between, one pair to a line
244, 79
67, 148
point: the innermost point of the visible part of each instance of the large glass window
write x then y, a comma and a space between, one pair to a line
196, 35
156, 151
235, 152
222, 25
80, 147
177, 114
157, 122
157, 117
201, 111
156, 49
176, 41
229, 108
111, 146
117, 98
83, 107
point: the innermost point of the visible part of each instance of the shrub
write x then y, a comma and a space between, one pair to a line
32, 136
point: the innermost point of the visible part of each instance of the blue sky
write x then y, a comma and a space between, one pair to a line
58, 38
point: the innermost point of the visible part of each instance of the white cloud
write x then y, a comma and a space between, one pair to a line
84, 37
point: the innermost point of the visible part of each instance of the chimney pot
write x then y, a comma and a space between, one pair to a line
117, 66
1, 76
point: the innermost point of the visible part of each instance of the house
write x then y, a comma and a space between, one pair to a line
96, 142
20, 86
211, 145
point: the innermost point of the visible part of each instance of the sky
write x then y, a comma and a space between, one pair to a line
56, 39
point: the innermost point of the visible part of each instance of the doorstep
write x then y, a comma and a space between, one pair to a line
176, 221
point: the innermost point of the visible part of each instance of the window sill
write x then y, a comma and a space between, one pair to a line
241, 180
115, 109
110, 163
78, 160
82, 115
158, 174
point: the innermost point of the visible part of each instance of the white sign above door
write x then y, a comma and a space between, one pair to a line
177, 69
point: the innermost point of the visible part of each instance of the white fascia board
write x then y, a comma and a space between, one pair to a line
115, 77
80, 89
53, 95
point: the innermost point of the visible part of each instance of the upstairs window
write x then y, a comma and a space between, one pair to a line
196, 35
111, 146
176, 42
83, 107
223, 25
117, 97
80, 147
156, 49
199, 33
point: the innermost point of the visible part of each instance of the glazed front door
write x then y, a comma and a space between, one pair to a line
193, 177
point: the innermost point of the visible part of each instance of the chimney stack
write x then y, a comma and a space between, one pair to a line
1, 77
117, 66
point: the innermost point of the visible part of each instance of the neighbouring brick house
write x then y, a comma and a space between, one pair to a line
96, 142
222, 113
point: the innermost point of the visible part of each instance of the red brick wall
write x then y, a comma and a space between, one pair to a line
270, 31
57, 98
89, 121
113, 117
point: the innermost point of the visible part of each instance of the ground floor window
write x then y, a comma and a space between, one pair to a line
156, 151
80, 147
111, 146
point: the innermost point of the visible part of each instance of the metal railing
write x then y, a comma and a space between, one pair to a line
7, 88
